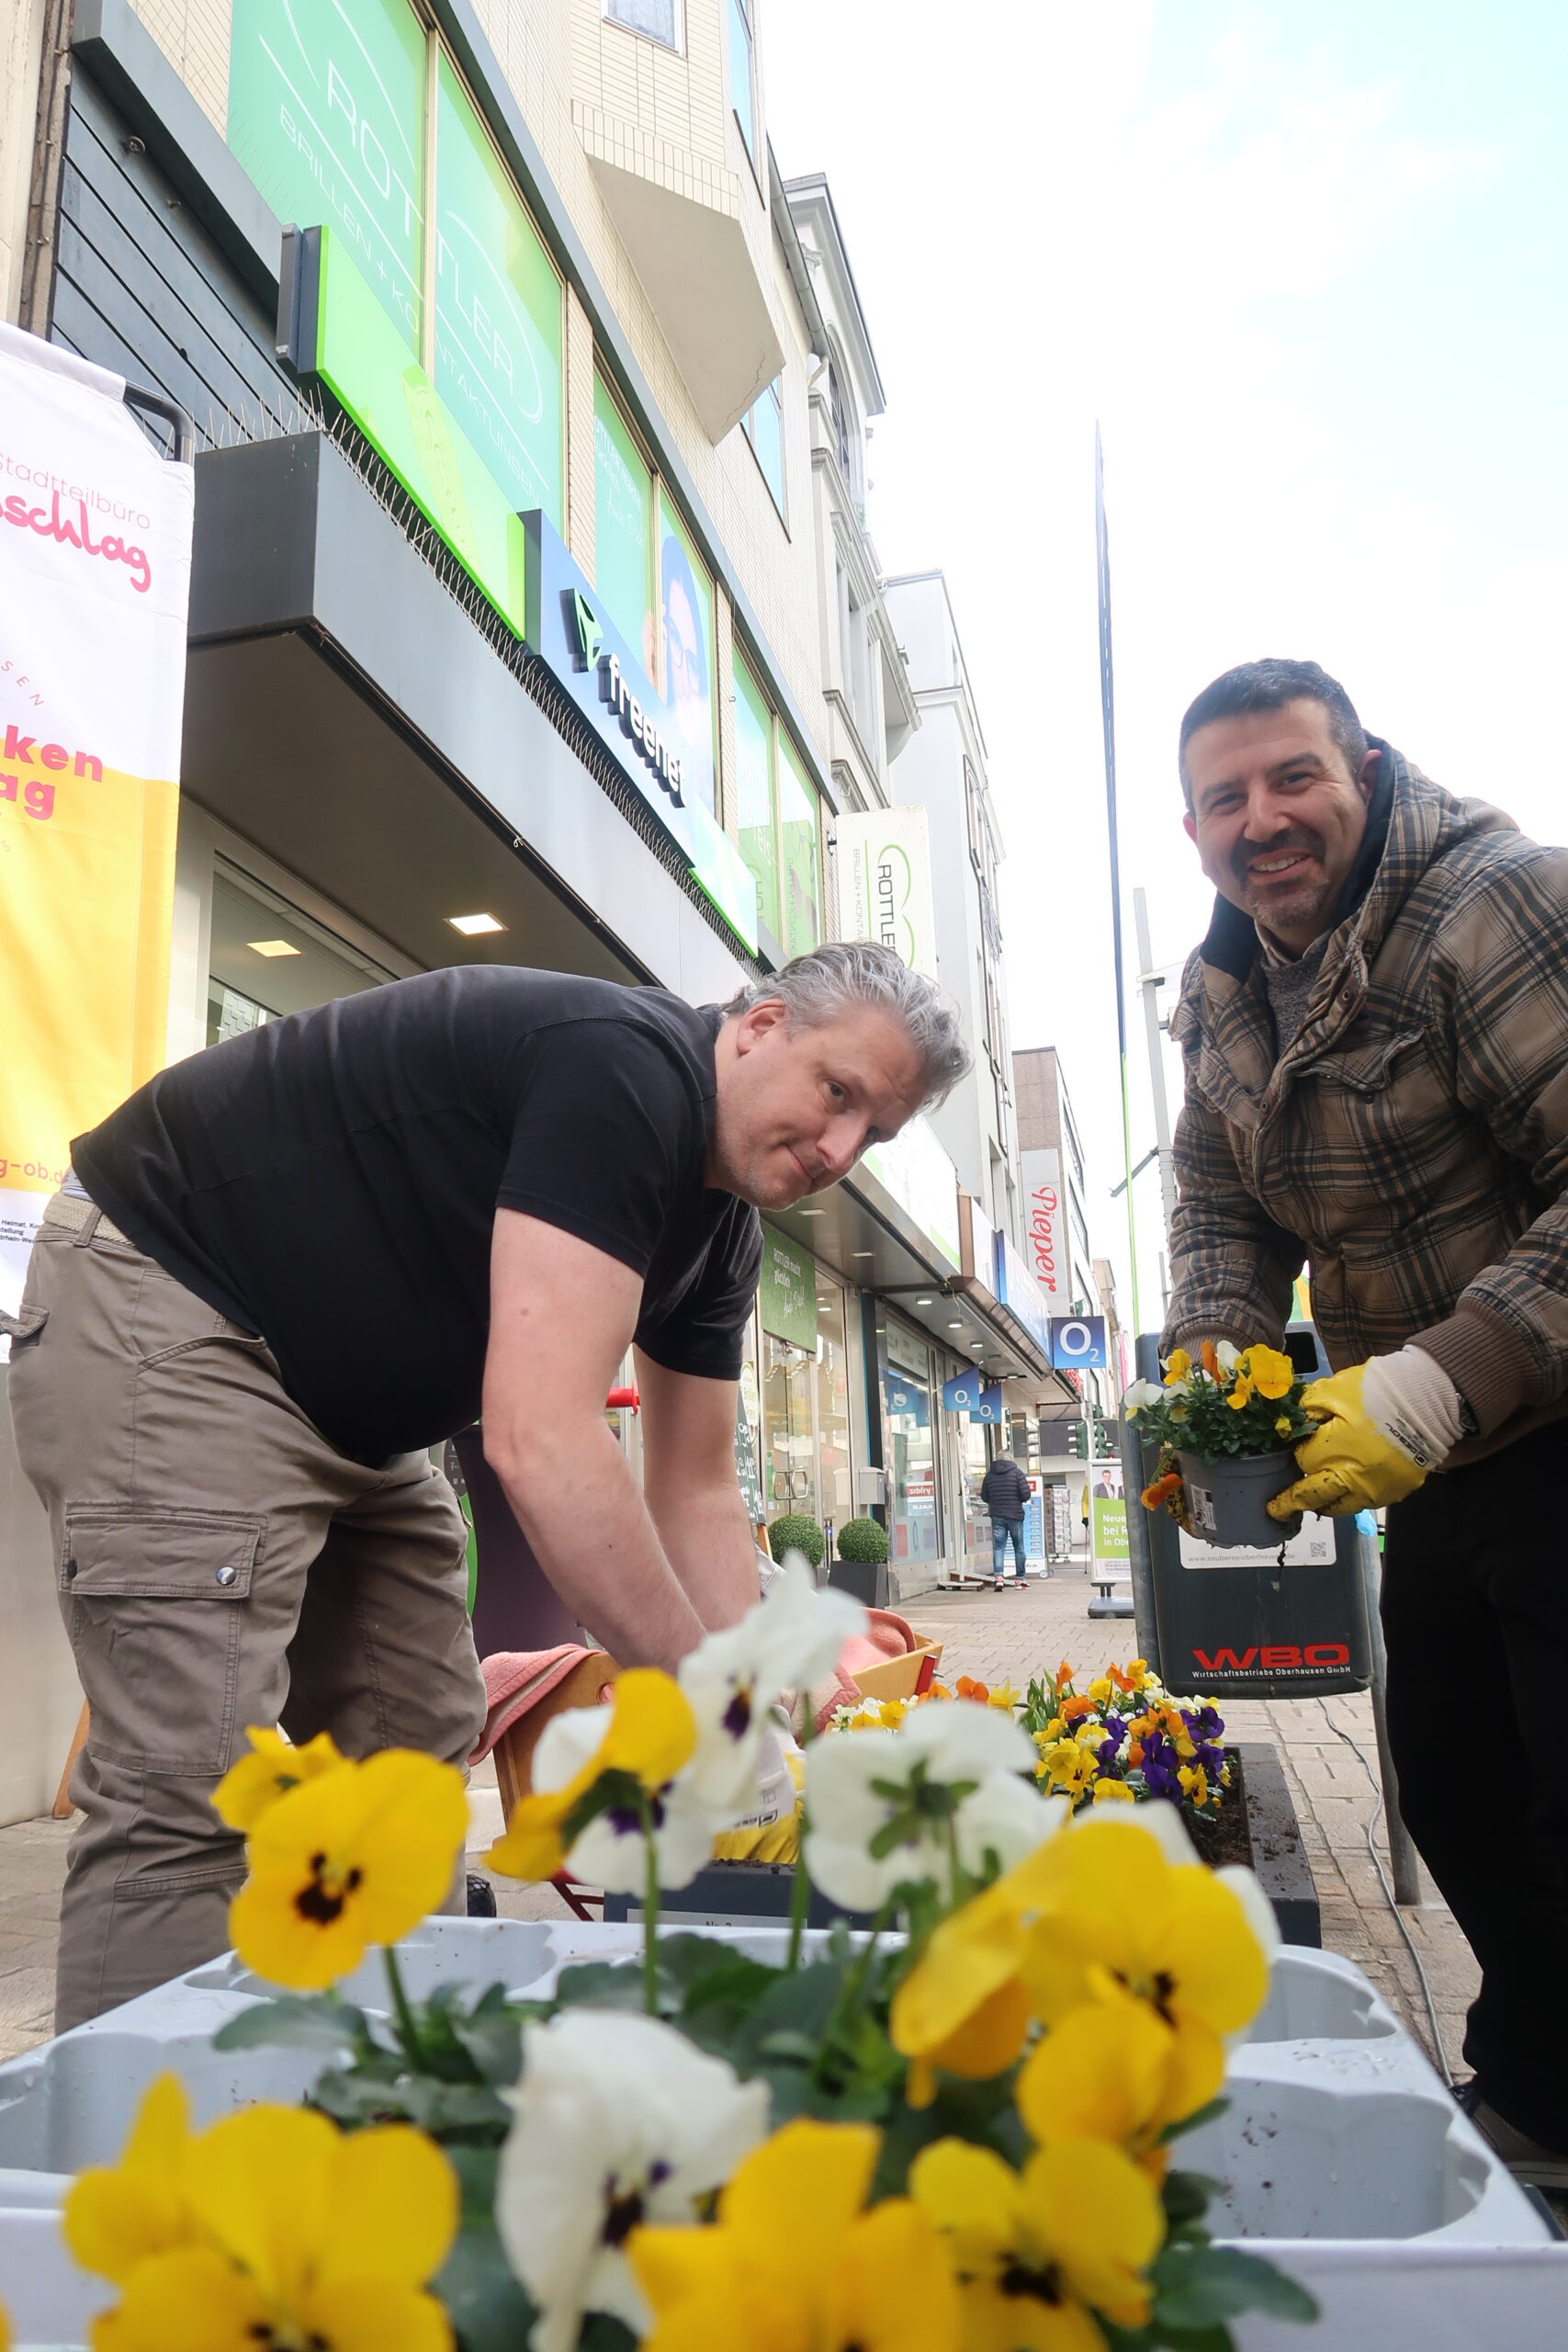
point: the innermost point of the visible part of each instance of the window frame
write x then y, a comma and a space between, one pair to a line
773, 391
674, 48
742, 10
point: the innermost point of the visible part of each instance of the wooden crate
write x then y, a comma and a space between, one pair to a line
897, 1678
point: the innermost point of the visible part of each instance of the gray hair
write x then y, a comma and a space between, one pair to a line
818, 987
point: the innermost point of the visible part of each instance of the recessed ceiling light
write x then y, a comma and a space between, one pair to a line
955, 1326
475, 926
925, 1302
865, 1253
272, 947
813, 1211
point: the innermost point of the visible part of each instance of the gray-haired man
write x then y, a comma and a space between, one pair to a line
297, 1260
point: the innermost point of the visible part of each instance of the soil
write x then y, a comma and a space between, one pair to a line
1226, 1838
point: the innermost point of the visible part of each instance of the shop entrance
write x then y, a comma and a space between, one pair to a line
914, 1501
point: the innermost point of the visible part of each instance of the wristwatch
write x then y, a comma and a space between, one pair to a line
1468, 1424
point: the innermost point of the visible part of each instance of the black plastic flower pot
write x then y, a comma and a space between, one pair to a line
1226, 1502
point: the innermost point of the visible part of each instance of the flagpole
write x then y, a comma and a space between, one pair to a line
1108, 731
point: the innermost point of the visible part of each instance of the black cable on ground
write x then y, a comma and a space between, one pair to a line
1439, 2055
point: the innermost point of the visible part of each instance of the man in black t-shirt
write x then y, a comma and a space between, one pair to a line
291, 1264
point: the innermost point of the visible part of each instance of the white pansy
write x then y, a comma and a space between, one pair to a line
859, 1786
1142, 1395
787, 1642
1006, 1817
617, 2120
611, 1852
1226, 1356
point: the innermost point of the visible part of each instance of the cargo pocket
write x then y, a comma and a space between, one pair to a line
155, 1607
22, 1327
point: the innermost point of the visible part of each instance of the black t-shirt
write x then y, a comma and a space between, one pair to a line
331, 1180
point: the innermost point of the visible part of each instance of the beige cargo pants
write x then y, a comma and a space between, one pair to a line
219, 1565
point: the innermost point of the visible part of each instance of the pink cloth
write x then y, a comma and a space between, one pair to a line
515, 1680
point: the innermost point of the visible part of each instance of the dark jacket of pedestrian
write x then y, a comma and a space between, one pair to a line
1004, 1489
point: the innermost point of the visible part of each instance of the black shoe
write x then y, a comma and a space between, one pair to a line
481, 1899
1531, 2161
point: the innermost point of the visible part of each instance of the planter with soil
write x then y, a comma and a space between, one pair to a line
1258, 1825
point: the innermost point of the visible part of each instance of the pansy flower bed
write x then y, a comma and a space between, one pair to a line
1124, 1737
957, 2134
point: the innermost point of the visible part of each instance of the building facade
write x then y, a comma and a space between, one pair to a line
942, 769
527, 415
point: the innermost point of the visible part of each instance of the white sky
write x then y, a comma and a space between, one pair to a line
1307, 272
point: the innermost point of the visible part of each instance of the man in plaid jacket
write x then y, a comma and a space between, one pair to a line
1375, 1033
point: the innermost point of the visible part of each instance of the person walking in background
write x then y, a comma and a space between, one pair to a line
1004, 1491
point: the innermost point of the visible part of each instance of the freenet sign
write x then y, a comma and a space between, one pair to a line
333, 326
571, 633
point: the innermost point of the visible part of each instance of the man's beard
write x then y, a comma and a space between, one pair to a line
1301, 903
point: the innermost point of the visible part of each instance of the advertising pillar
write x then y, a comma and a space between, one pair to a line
94, 546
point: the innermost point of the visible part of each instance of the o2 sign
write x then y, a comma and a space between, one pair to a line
1078, 1344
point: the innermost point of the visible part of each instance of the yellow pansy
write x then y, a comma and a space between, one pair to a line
1270, 1371
1038, 2250
1069, 1765
119, 2215
795, 2264
1100, 1691
1115, 2070
271, 1769
1177, 1366
892, 1712
355, 1858
1240, 1395
1282, 1426
1003, 1696
1117, 1792
1194, 1783
963, 2005
303, 2237
1115, 1917
649, 1732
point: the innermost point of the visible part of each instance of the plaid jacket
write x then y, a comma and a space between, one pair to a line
1412, 1144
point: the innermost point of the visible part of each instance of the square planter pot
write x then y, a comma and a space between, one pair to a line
866, 1579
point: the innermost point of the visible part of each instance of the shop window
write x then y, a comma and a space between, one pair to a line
802, 856
622, 528
976, 1518
688, 636
742, 78
756, 795
497, 310
806, 1416
914, 1521
764, 427
355, 117
655, 19
267, 959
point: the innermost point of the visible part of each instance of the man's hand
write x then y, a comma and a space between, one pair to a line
562, 1315
1382, 1425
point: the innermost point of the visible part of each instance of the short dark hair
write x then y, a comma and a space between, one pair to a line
1269, 685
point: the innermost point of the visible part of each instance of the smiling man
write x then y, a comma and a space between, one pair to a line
1375, 1033
293, 1262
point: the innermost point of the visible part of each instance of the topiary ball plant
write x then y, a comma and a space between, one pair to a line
795, 1533
865, 1539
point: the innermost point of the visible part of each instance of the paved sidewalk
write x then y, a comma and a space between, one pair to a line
997, 1637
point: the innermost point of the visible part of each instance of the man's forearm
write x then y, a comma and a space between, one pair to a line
709, 1543
576, 1500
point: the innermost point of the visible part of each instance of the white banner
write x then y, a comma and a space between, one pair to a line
1045, 1226
884, 883
95, 589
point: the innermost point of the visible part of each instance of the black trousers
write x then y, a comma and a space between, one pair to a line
1475, 1615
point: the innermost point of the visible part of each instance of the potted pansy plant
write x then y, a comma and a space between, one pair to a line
1227, 1427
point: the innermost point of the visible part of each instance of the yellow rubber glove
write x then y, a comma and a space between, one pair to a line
1352, 1460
